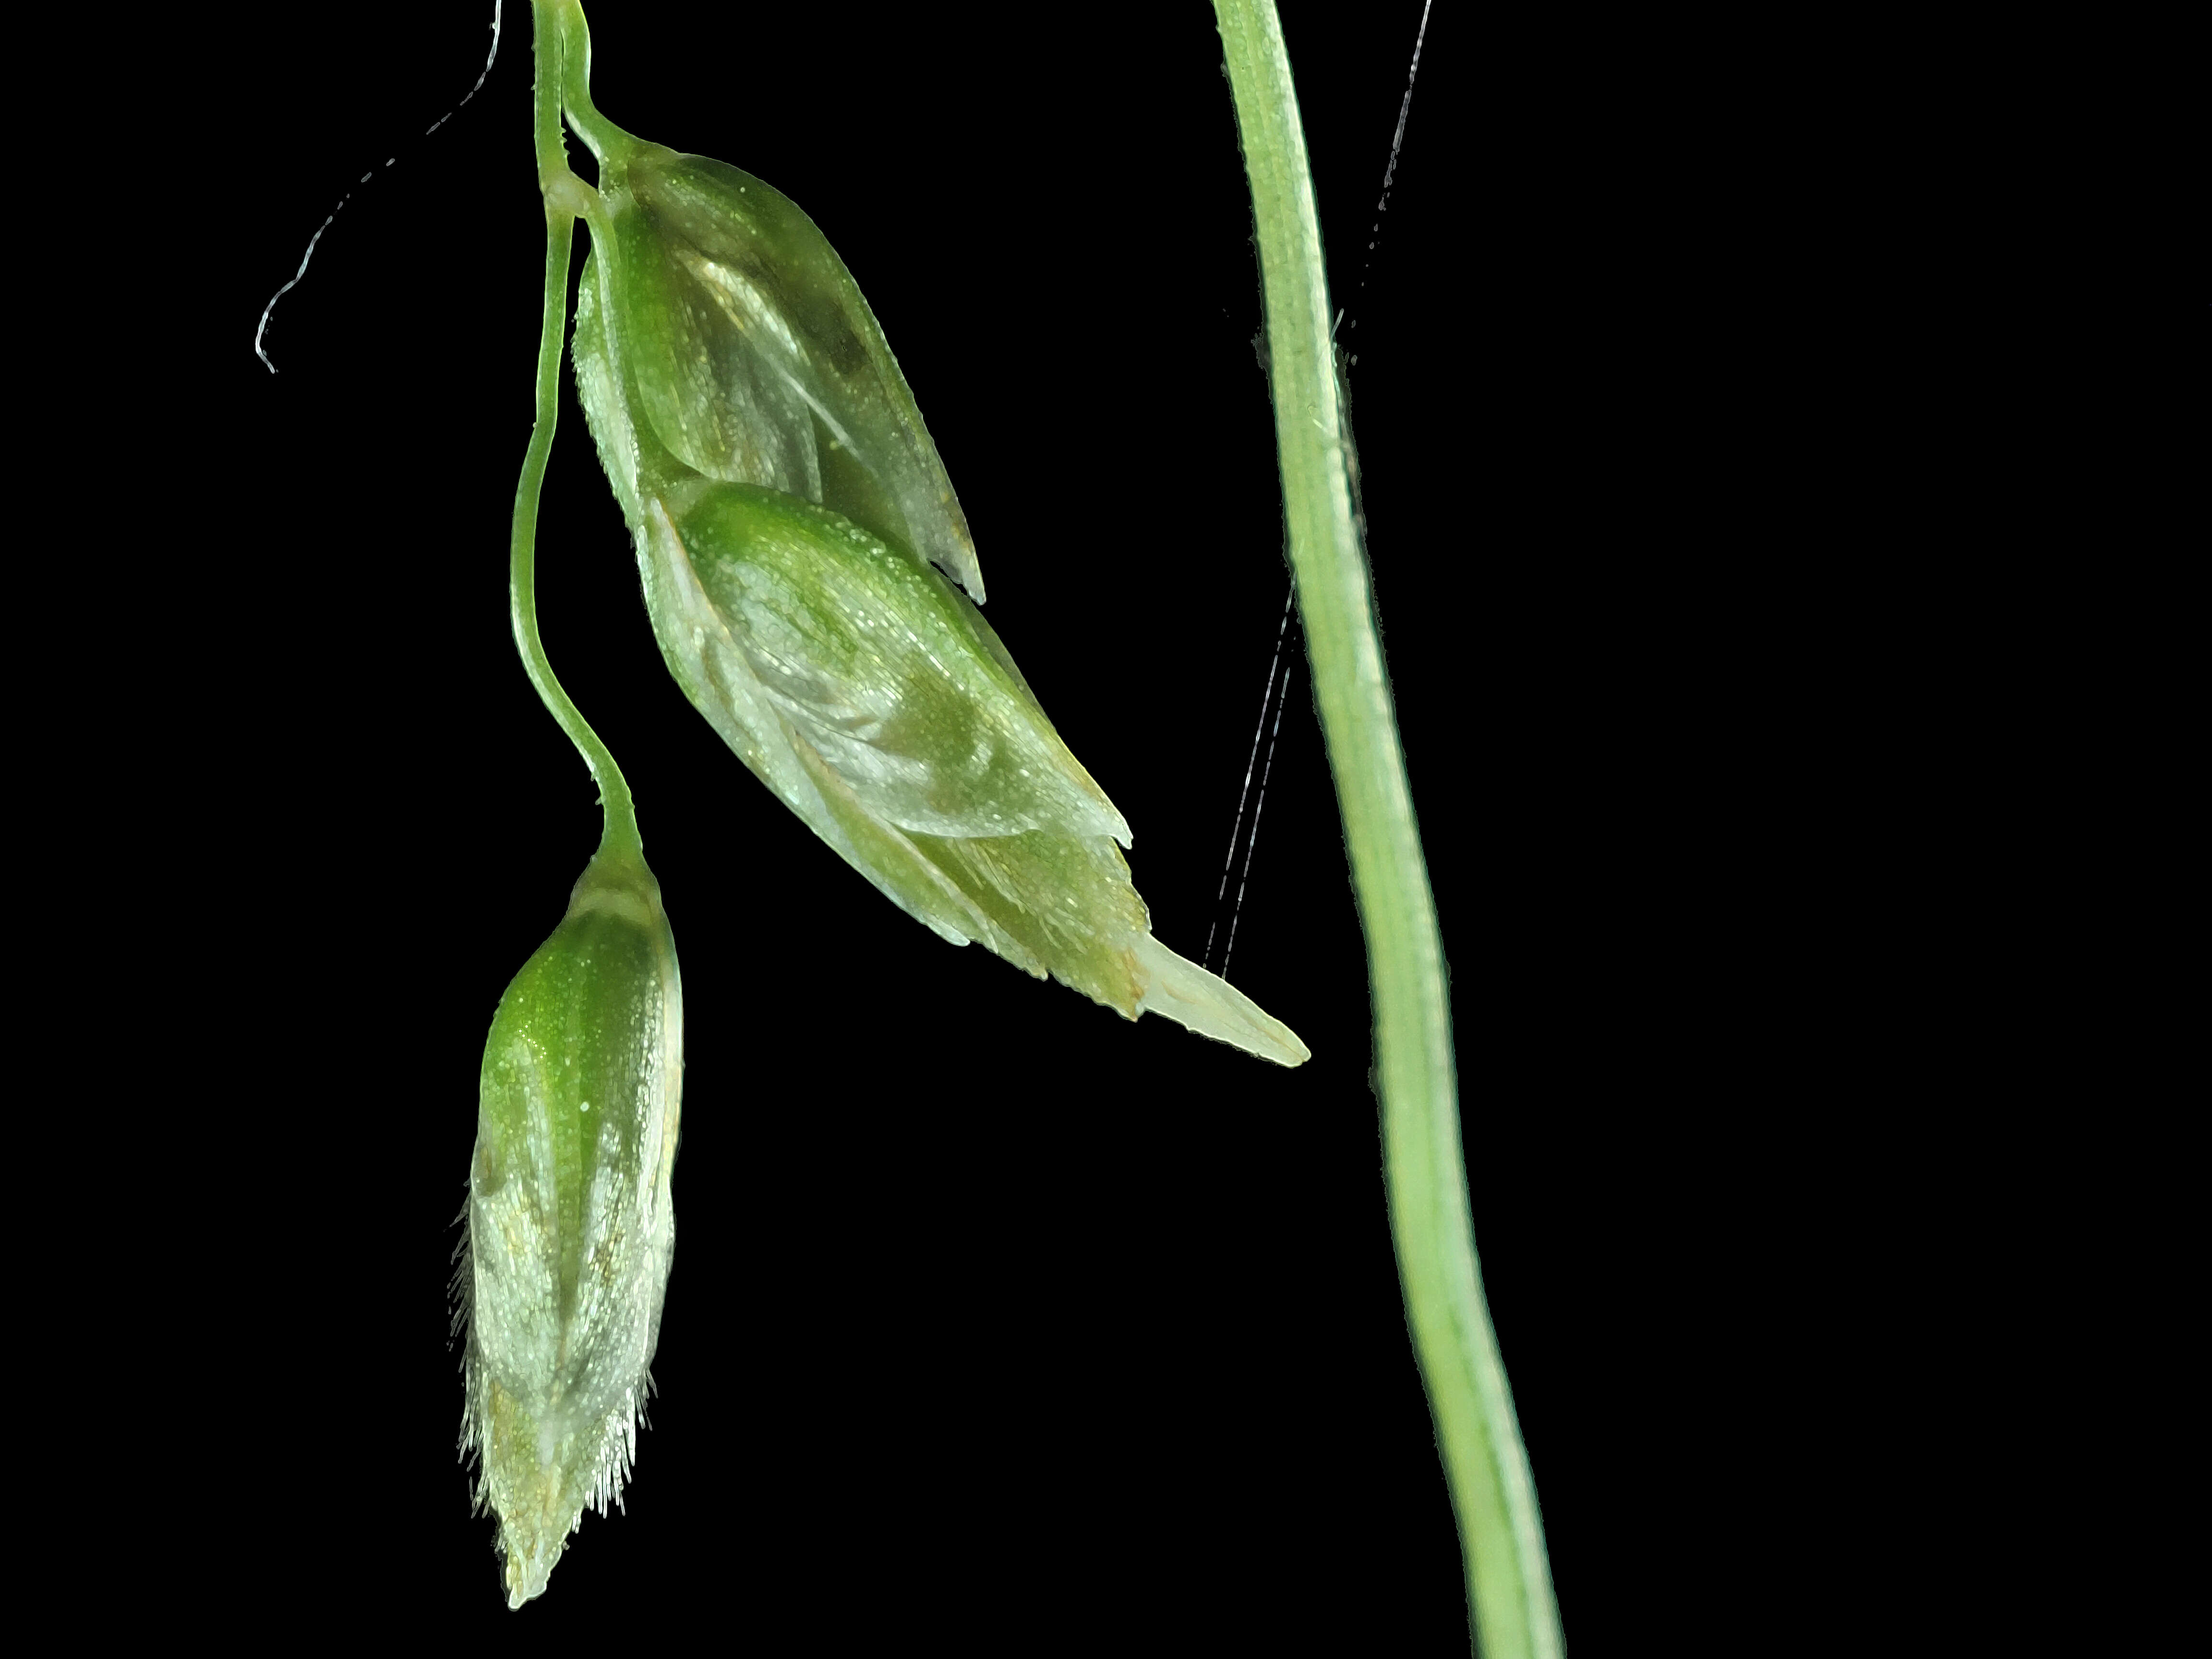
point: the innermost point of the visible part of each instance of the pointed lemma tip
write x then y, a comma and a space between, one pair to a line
526, 1577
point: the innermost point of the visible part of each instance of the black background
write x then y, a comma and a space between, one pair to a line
996, 1320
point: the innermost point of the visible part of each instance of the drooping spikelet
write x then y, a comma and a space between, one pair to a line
570, 1227
788, 507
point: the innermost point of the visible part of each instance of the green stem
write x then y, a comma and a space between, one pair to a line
600, 136
1501, 1533
564, 195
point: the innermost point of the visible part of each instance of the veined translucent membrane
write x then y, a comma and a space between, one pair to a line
754, 359
571, 1225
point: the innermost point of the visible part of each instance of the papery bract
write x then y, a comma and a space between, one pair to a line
751, 357
571, 1227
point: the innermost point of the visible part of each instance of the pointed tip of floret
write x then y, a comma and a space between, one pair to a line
527, 1573
539, 1482
1202, 1002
